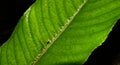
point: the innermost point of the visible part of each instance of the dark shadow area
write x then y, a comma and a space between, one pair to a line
109, 52
10, 13
71, 63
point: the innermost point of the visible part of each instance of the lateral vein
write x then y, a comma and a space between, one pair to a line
61, 31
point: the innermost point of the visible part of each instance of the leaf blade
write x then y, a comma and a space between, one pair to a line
42, 21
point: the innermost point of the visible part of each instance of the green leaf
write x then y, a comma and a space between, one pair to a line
60, 32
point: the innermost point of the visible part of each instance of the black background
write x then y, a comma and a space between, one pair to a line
106, 54
109, 52
10, 13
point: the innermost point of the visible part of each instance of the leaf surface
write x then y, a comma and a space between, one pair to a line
60, 32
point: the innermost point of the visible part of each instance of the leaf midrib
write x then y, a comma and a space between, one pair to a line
69, 20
